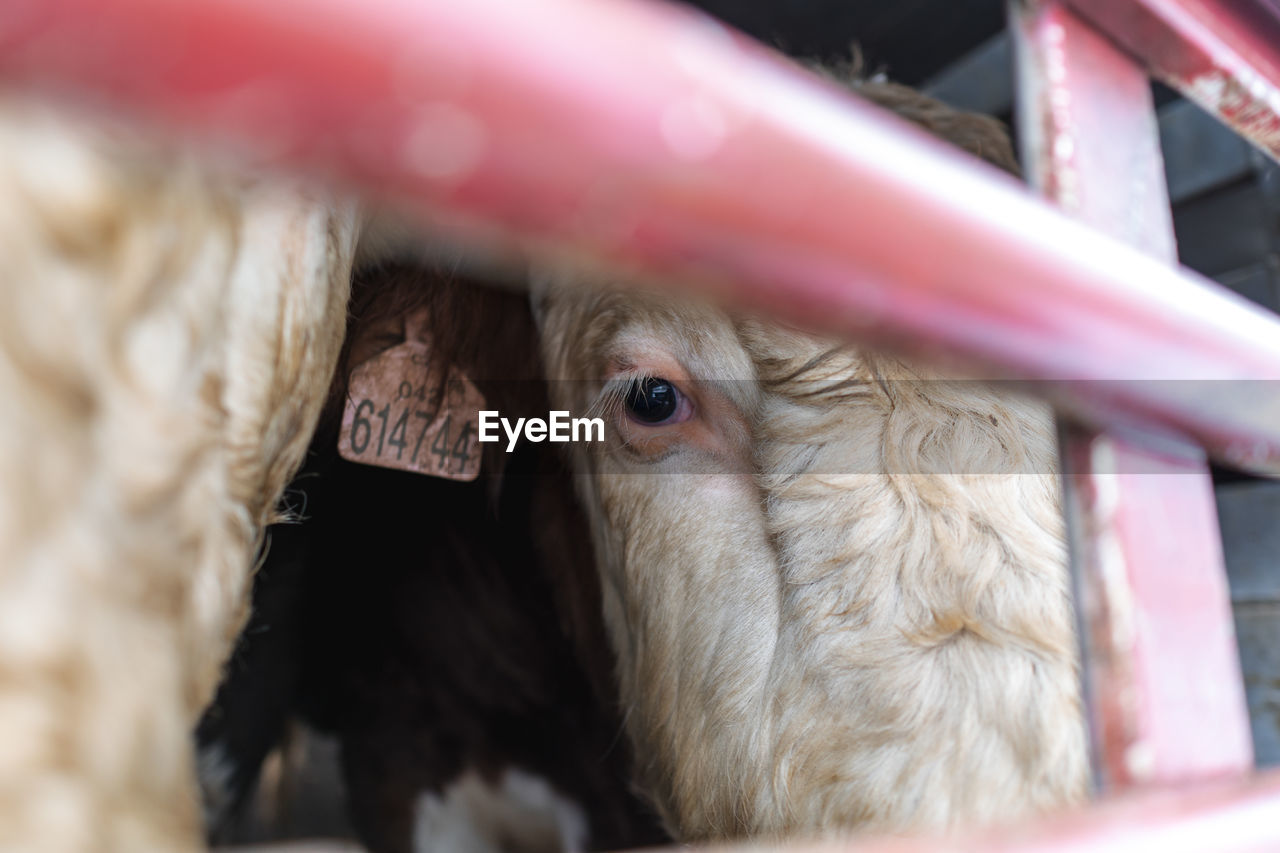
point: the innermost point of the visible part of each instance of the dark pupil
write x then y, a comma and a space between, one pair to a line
652, 400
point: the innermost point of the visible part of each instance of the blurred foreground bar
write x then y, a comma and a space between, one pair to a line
655, 142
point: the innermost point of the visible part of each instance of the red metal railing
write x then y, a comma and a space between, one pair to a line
1221, 54
1160, 659
658, 143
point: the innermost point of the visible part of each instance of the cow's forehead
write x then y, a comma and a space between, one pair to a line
788, 359
708, 341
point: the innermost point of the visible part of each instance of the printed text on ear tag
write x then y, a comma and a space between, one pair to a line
392, 420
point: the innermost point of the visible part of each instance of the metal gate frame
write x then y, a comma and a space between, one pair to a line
657, 144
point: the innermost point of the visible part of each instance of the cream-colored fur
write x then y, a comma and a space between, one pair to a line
166, 340
838, 596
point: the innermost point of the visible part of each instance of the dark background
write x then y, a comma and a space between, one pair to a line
910, 39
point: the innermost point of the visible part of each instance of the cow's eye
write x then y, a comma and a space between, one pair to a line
652, 400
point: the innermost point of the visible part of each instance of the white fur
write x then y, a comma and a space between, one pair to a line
167, 338
520, 814
838, 595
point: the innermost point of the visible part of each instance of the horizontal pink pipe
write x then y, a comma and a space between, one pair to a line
656, 141
1233, 817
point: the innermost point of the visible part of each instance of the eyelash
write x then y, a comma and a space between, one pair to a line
613, 398
612, 402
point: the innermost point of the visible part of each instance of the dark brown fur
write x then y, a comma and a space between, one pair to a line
980, 135
444, 626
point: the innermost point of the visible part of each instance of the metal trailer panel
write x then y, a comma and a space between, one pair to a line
980, 81
1226, 230
1199, 152
1158, 646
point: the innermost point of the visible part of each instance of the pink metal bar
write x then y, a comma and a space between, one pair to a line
1159, 655
1167, 698
1225, 817
1222, 54
1087, 128
653, 140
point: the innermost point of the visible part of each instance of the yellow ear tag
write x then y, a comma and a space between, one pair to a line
392, 420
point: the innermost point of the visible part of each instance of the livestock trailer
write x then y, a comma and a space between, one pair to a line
1155, 371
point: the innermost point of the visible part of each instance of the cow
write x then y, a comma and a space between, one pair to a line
836, 584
